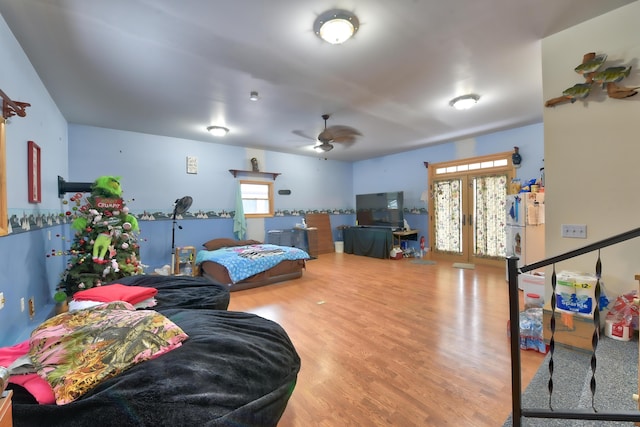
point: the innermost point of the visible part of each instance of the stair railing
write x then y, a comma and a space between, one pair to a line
518, 412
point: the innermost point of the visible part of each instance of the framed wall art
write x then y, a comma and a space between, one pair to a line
33, 172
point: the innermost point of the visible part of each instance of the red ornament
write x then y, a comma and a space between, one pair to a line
67, 213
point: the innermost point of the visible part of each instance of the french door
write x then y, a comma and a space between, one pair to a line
467, 200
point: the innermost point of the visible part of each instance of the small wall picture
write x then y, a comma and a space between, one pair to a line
34, 172
192, 164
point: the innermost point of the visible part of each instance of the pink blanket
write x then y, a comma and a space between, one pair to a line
38, 387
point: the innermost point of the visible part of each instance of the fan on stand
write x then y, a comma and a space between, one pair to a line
181, 206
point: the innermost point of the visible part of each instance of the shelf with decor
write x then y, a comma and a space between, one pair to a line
236, 172
185, 261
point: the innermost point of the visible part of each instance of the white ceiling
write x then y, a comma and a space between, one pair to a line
168, 67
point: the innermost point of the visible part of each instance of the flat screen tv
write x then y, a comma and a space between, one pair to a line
380, 210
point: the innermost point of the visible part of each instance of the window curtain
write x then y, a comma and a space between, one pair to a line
239, 221
489, 227
447, 213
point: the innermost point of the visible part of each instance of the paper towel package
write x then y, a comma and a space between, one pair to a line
576, 292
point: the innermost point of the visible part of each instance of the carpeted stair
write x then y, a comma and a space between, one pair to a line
616, 382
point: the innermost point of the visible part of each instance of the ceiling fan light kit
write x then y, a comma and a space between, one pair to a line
336, 26
324, 147
464, 102
218, 130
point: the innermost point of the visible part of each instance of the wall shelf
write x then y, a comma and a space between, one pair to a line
235, 173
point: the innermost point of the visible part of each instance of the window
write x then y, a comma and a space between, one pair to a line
257, 198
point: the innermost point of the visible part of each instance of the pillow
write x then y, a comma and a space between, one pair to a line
75, 351
214, 244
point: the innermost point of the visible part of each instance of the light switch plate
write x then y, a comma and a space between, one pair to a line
574, 231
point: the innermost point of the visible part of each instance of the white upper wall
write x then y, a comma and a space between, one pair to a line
592, 148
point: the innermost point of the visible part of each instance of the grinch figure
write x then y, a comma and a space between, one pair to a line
104, 245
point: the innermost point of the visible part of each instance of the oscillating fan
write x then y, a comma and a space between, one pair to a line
181, 206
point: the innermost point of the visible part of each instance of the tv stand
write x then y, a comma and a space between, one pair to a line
368, 241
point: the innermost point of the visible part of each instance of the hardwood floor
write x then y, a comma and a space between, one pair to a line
394, 343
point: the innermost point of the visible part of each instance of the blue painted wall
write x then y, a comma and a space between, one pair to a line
153, 171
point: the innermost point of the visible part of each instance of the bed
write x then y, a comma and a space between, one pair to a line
233, 369
232, 262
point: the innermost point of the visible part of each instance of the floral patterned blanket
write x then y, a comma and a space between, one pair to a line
76, 351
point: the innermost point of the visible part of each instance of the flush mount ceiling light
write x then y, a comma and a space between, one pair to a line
253, 96
217, 130
464, 102
336, 26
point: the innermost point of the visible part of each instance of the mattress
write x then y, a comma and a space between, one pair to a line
285, 270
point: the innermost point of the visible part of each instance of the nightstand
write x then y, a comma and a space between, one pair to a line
6, 414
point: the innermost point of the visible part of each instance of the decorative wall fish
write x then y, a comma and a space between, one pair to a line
607, 78
611, 75
578, 90
591, 65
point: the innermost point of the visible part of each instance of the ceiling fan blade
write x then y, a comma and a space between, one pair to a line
346, 141
303, 134
339, 130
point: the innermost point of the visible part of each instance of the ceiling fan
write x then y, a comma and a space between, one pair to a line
344, 135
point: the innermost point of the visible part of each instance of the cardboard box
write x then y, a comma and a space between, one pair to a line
571, 330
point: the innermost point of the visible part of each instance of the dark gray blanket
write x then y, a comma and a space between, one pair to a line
182, 291
235, 369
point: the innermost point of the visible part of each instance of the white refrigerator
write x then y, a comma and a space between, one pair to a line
525, 227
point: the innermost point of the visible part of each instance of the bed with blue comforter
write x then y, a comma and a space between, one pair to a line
247, 264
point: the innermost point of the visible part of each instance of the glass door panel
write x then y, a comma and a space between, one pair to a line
448, 217
488, 218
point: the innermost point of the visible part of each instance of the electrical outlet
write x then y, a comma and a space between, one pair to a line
575, 231
32, 307
21, 305
1, 300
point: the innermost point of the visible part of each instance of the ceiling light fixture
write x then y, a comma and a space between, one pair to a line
323, 148
253, 96
336, 26
464, 102
218, 130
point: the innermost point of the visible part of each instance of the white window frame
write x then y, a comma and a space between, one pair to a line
265, 214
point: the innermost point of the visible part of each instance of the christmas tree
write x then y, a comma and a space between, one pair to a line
105, 244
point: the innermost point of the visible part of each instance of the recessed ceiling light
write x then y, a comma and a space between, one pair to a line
336, 26
253, 96
464, 102
218, 130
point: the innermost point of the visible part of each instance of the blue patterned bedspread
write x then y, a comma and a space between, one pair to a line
245, 261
